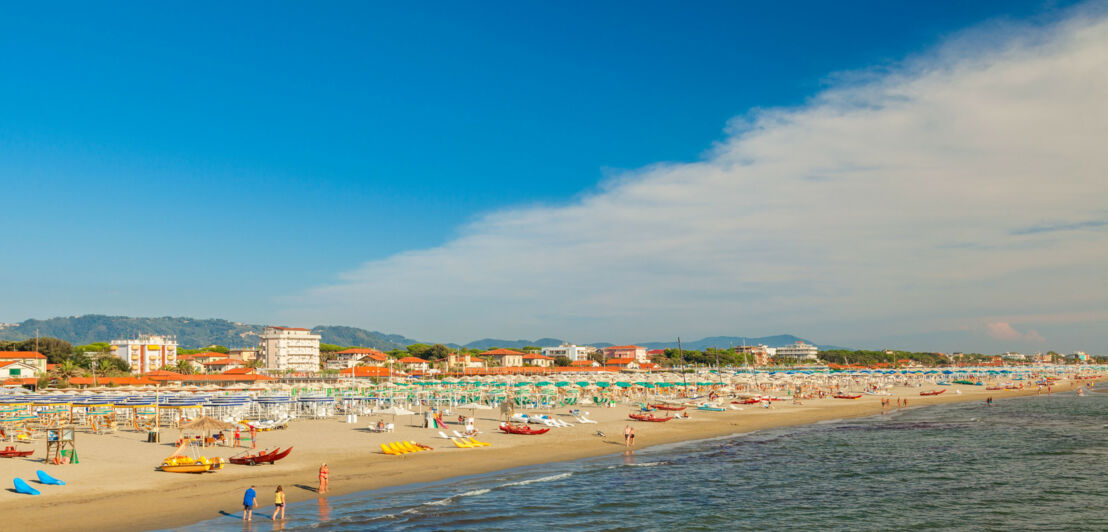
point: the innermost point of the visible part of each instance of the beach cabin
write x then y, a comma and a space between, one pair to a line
626, 351
31, 358
622, 363
506, 358
538, 360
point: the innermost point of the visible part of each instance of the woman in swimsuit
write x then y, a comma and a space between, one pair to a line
627, 432
324, 473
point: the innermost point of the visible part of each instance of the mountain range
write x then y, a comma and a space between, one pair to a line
194, 333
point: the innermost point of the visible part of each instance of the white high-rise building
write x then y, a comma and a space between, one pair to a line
289, 348
147, 353
570, 351
799, 351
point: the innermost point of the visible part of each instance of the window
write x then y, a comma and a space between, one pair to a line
14, 372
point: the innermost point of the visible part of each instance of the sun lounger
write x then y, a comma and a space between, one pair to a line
47, 479
24, 488
584, 418
444, 436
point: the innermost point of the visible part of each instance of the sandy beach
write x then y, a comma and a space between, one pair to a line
116, 486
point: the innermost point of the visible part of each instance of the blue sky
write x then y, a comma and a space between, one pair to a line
157, 160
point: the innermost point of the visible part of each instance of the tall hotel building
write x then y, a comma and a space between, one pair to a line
146, 353
289, 348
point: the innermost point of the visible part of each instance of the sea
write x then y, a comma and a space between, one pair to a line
1031, 463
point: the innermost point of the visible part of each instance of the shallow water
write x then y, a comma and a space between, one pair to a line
1030, 463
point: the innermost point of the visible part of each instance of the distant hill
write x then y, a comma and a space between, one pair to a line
191, 333
346, 336
723, 342
487, 343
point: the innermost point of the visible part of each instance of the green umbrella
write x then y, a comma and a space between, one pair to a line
561, 384
603, 384
582, 384
623, 384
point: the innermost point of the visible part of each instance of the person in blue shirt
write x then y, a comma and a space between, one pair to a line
248, 500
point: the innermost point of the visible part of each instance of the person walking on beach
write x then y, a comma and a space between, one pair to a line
278, 504
238, 437
631, 438
324, 473
627, 436
253, 437
248, 500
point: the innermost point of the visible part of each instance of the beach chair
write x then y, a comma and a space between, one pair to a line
22, 487
389, 427
47, 479
458, 434
585, 418
444, 436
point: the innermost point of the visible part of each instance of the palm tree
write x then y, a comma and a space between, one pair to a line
66, 370
184, 367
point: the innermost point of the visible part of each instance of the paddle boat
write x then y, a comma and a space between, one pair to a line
12, 452
263, 457
671, 408
709, 408
522, 429
179, 463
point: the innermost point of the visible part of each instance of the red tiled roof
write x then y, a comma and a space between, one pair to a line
239, 371
412, 360
656, 352
613, 361
20, 381
495, 352
536, 357
21, 354
581, 363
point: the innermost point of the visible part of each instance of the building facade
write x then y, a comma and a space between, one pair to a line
505, 358
571, 351
626, 351
146, 353
289, 349
798, 351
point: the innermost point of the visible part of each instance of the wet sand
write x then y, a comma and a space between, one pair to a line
116, 486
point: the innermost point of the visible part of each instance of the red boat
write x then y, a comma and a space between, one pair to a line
847, 396
261, 458
650, 417
668, 407
994, 388
523, 429
11, 452
751, 401
933, 392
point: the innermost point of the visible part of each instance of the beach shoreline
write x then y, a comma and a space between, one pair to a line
155, 500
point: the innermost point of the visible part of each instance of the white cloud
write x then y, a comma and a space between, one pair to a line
1004, 331
966, 184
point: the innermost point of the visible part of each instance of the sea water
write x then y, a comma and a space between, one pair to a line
1033, 463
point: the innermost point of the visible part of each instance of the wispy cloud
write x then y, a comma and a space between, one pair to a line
1053, 228
833, 219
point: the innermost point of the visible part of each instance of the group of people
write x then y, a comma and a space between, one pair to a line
253, 437
250, 498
